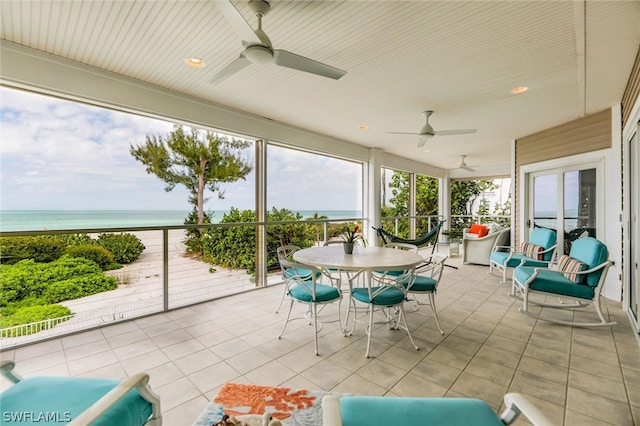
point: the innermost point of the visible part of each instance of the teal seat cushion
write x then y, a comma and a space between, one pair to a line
324, 293
62, 399
422, 283
553, 282
385, 411
500, 257
392, 296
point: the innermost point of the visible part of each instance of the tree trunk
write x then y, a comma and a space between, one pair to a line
200, 206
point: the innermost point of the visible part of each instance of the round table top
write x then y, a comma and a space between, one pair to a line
363, 258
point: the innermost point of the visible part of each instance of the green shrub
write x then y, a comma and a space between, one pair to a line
76, 239
194, 237
235, 246
78, 287
125, 247
24, 315
41, 248
28, 279
100, 255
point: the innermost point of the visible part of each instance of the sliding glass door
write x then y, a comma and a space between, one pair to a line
632, 239
564, 199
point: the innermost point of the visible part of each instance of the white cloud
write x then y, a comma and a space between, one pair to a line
57, 154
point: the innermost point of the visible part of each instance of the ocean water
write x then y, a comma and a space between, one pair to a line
37, 220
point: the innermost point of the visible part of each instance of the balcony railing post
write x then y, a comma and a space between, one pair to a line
165, 269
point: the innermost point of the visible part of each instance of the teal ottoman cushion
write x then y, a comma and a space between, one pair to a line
385, 411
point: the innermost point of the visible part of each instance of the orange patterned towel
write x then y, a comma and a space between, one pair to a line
293, 407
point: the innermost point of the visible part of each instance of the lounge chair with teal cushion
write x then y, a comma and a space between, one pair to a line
406, 411
538, 251
50, 400
578, 276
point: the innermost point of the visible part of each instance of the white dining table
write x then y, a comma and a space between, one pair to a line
363, 259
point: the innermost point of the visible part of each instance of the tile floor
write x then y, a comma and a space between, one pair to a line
576, 376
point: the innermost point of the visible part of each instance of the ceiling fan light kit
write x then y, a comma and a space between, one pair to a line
258, 47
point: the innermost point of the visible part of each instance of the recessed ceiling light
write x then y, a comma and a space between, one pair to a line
363, 127
426, 150
519, 89
195, 62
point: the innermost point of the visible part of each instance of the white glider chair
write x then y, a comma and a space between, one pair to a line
78, 401
578, 276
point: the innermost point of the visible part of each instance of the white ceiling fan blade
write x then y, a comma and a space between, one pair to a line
237, 21
234, 67
300, 63
455, 132
467, 168
405, 133
423, 140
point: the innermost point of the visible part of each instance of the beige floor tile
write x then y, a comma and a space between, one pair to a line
450, 357
544, 370
132, 336
185, 413
86, 349
460, 344
208, 378
506, 344
350, 358
560, 359
382, 373
326, 375
135, 349
529, 384
273, 373
85, 338
358, 385
402, 358
248, 360
607, 370
144, 362
473, 386
415, 386
598, 385
182, 349
574, 418
163, 374
493, 372
171, 338
436, 372
177, 393
196, 361
594, 405
92, 362
37, 350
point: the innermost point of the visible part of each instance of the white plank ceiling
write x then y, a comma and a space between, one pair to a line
459, 58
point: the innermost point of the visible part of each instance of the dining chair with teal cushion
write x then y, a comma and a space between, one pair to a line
578, 276
305, 288
538, 251
285, 253
386, 291
354, 410
425, 282
51, 400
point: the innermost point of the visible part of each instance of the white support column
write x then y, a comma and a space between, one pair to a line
412, 204
372, 192
444, 200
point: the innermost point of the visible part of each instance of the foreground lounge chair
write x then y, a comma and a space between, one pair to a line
579, 276
79, 400
384, 411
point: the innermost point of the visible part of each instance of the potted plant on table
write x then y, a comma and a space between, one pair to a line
350, 236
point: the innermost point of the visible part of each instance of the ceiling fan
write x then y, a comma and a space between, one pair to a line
427, 131
463, 165
258, 48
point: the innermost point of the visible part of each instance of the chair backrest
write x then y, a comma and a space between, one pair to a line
303, 275
385, 281
591, 252
403, 246
545, 238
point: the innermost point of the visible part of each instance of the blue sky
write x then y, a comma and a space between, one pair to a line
61, 155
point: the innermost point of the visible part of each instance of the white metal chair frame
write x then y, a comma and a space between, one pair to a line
385, 281
521, 291
433, 269
284, 253
309, 283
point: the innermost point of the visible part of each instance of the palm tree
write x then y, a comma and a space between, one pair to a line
317, 226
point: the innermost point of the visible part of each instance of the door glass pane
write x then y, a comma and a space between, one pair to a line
634, 203
579, 206
545, 201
